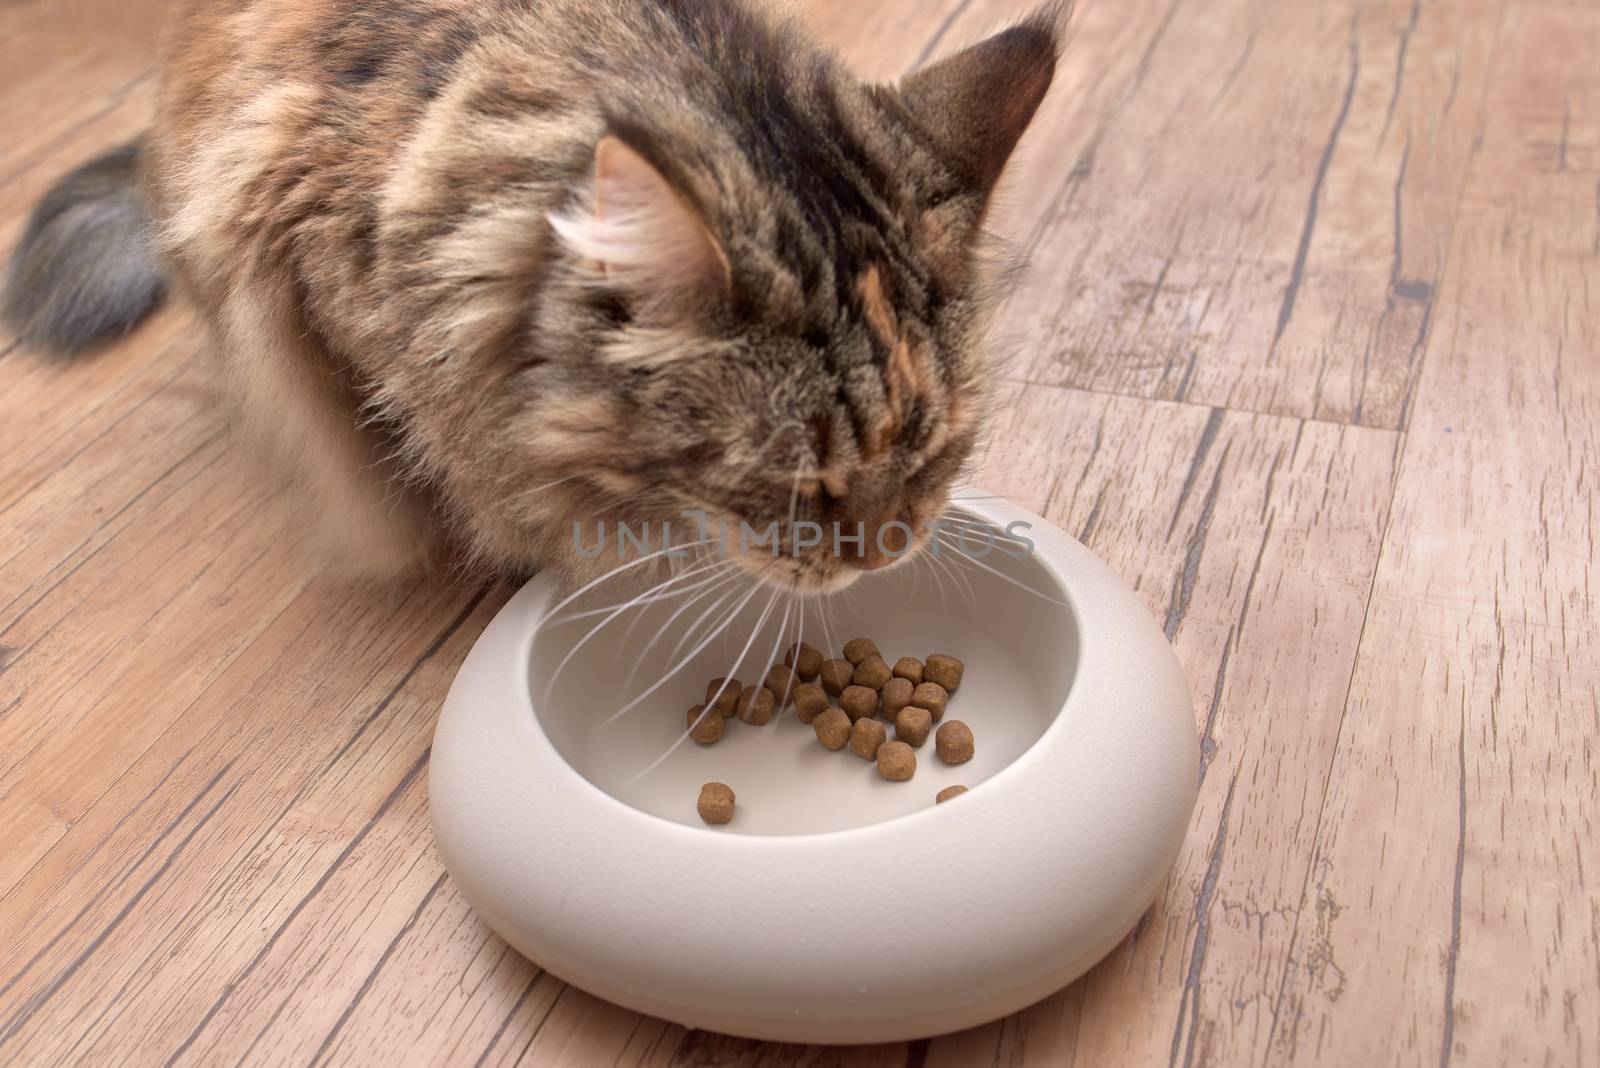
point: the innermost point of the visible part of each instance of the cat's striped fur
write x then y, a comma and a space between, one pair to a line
516, 263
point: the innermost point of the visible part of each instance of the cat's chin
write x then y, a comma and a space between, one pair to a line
797, 576
819, 585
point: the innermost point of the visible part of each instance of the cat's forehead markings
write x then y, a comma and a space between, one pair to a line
906, 377
880, 316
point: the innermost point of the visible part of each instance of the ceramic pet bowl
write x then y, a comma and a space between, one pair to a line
836, 907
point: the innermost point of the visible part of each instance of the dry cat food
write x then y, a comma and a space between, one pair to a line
705, 725
894, 696
781, 680
840, 699
945, 670
833, 728
910, 669
806, 660
872, 673
953, 742
896, 761
912, 725
932, 696
858, 649
866, 737
716, 803
858, 701
810, 701
835, 676
756, 705
723, 695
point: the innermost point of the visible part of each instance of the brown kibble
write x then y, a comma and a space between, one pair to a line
756, 705
858, 701
866, 736
781, 680
912, 725
932, 696
858, 649
872, 673
910, 669
723, 695
895, 696
705, 726
806, 659
835, 676
896, 761
947, 793
833, 728
945, 670
716, 803
810, 701
954, 742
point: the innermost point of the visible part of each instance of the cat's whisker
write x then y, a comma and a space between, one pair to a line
542, 487
777, 431
657, 762
824, 620
709, 704
973, 561
738, 665
550, 615
958, 576
934, 570
707, 640
645, 599
721, 583
596, 629
693, 629
981, 539
1009, 498
783, 629
992, 535
704, 588
800, 631
959, 525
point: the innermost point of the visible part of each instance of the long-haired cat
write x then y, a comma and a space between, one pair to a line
481, 270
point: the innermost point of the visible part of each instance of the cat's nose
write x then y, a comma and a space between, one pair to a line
882, 543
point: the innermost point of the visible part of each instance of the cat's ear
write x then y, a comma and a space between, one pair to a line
977, 103
645, 237
975, 107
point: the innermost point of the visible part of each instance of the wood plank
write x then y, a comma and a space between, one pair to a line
289, 776
38, 111
1261, 222
1453, 916
1254, 539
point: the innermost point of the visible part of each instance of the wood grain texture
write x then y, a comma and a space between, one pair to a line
1464, 807
1259, 217
1309, 352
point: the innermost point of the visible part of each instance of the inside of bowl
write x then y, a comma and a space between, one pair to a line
611, 688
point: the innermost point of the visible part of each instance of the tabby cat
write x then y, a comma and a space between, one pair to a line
480, 271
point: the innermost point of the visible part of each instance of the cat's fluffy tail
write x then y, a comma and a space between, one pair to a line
86, 270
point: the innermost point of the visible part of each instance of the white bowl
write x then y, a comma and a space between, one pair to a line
837, 907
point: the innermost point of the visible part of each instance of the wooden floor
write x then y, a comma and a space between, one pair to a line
1309, 352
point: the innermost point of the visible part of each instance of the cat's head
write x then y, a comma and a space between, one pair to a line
780, 270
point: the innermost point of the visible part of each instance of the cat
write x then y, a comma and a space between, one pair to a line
481, 272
